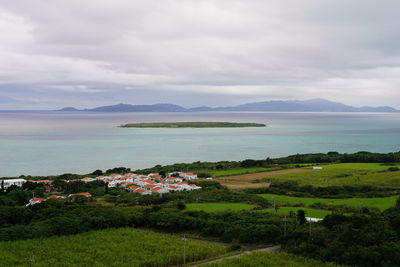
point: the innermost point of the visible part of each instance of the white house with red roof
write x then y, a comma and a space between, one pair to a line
35, 200
85, 194
88, 179
159, 190
174, 180
154, 176
55, 197
143, 191
188, 175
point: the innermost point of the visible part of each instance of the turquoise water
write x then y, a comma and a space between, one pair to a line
45, 143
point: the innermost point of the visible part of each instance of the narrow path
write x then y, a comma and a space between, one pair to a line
268, 249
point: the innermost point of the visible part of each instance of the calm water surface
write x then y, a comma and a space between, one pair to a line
45, 143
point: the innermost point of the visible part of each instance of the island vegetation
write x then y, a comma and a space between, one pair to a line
198, 124
352, 199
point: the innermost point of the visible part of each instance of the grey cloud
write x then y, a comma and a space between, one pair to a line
344, 50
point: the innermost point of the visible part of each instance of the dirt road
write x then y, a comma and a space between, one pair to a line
268, 249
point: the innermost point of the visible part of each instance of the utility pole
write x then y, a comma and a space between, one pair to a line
32, 261
284, 226
184, 250
274, 203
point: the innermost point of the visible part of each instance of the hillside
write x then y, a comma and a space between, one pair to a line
313, 105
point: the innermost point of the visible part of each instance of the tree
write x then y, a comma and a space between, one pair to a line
397, 203
301, 217
180, 205
97, 172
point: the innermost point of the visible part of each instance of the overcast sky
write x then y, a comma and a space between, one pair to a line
56, 53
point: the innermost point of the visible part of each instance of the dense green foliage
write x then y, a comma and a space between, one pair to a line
55, 218
245, 227
270, 259
354, 240
293, 188
309, 212
117, 247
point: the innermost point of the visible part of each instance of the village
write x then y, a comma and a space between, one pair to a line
142, 184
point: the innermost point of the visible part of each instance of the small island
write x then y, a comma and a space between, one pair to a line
192, 125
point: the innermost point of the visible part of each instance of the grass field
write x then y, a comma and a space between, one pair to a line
116, 247
212, 207
359, 166
270, 259
343, 174
239, 171
380, 203
239, 182
314, 213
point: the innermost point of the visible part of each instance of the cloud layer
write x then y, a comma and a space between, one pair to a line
57, 53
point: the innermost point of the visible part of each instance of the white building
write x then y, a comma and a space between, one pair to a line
188, 175
4, 184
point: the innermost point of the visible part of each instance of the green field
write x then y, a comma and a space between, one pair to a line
116, 247
359, 166
239, 171
344, 174
270, 259
314, 213
212, 207
381, 203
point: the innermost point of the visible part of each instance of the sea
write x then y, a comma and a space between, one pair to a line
52, 143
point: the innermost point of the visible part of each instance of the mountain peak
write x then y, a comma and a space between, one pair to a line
68, 109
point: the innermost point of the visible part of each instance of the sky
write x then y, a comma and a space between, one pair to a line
57, 53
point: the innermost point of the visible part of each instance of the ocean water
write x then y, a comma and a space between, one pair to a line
46, 143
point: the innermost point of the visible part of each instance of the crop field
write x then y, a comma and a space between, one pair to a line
270, 259
381, 203
239, 182
343, 174
212, 207
314, 213
116, 247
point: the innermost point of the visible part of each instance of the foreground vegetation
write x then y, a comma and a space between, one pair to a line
270, 259
199, 124
356, 194
113, 247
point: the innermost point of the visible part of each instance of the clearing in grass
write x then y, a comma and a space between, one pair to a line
114, 247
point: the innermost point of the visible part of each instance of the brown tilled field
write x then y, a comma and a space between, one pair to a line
243, 181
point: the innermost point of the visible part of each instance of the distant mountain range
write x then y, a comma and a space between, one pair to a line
313, 105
